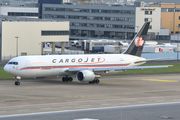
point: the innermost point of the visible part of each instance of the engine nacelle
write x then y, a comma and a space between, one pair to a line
85, 75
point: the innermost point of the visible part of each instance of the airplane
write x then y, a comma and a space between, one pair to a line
87, 67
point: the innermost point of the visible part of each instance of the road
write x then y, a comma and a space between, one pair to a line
51, 94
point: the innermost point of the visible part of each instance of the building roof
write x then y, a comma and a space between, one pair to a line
161, 1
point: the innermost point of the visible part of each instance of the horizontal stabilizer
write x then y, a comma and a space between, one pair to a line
148, 60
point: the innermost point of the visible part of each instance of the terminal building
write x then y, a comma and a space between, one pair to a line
20, 37
119, 22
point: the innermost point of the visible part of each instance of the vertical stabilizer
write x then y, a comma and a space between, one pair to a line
136, 45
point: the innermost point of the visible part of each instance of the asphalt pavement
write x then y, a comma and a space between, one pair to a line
51, 94
169, 111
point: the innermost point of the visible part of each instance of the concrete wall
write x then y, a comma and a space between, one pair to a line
30, 37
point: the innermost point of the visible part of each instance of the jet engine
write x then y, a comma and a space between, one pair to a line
85, 75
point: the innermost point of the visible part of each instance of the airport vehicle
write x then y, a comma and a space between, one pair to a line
58, 44
112, 49
73, 43
87, 68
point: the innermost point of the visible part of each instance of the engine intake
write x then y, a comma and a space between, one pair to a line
85, 75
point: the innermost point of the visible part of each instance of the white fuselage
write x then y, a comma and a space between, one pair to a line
51, 65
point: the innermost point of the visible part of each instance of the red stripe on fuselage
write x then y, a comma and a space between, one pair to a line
74, 66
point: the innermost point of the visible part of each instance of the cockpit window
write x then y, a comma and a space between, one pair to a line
14, 63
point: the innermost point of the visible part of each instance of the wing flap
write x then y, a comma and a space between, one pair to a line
129, 68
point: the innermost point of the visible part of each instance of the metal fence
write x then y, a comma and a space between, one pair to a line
169, 56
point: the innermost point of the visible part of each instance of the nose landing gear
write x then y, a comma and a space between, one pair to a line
17, 82
17, 78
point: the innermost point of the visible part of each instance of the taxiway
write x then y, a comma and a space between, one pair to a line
51, 94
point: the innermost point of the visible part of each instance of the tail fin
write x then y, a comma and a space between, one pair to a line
136, 45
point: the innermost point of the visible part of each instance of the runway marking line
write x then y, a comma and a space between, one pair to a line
157, 80
50, 112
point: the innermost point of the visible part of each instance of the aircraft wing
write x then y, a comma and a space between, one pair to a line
74, 70
147, 60
129, 68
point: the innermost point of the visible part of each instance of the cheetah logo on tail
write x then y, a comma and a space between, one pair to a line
138, 41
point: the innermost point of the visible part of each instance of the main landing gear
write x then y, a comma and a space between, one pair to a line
67, 79
17, 78
94, 81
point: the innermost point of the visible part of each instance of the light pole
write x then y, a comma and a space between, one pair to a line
137, 28
178, 43
170, 26
16, 46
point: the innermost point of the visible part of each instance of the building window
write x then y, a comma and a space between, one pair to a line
107, 18
177, 10
179, 17
57, 9
23, 54
95, 11
164, 10
170, 10
49, 9
150, 27
22, 14
44, 33
105, 11
148, 12
147, 19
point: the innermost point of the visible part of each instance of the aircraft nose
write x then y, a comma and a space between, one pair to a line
6, 69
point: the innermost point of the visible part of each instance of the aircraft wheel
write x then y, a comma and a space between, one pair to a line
66, 79
17, 83
97, 81
63, 79
70, 79
93, 82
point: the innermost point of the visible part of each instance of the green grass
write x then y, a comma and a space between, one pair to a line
4, 75
174, 69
